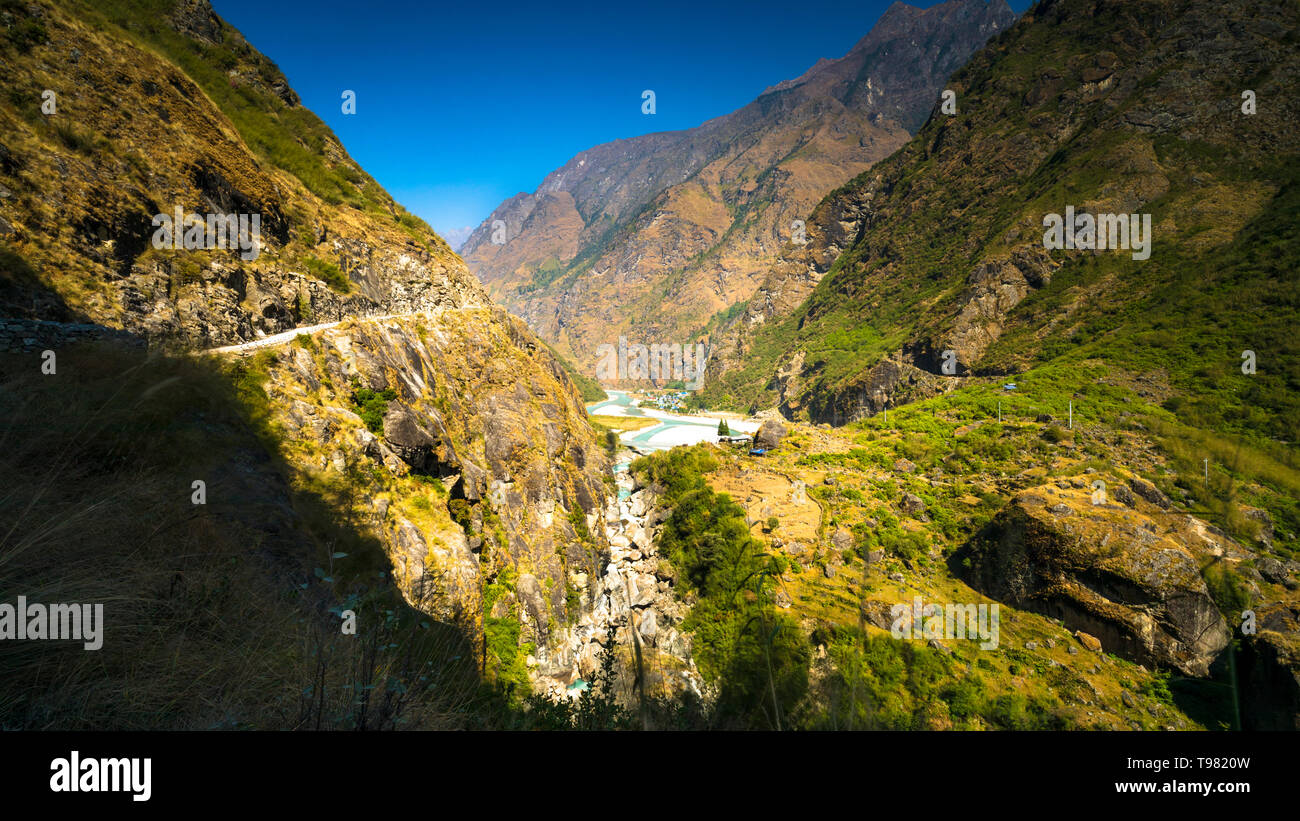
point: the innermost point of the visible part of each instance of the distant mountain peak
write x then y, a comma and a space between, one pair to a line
665, 231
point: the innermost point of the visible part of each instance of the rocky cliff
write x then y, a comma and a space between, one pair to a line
1131, 580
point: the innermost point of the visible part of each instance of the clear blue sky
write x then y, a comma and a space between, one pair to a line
462, 106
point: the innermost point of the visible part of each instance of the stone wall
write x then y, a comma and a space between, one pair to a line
38, 335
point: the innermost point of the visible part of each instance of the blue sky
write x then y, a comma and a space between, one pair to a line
462, 106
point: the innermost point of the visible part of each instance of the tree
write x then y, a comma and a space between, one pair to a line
723, 429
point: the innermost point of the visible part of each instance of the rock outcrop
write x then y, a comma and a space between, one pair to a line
141, 138
1268, 670
769, 434
1127, 578
483, 467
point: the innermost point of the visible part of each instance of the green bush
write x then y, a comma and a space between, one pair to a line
372, 406
328, 273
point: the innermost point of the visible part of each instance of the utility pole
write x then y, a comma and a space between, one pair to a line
1071, 414
999, 411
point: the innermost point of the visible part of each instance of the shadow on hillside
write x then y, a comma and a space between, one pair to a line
24, 296
222, 601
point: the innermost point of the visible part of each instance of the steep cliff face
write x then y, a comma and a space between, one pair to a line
653, 236
467, 454
1269, 671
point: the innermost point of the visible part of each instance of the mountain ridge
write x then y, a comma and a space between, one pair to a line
654, 235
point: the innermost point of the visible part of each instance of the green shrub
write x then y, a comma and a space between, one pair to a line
328, 273
372, 406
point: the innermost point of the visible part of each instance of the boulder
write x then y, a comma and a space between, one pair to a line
1149, 492
1272, 570
1142, 598
648, 625
404, 434
913, 504
769, 435
876, 613
1124, 496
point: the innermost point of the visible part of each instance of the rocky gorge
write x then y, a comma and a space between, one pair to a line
633, 599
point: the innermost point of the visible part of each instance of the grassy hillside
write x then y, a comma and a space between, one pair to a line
1126, 371
968, 195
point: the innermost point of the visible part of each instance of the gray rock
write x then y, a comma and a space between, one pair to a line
648, 625
876, 613
911, 503
769, 435
1272, 570
1123, 495
1149, 492
407, 437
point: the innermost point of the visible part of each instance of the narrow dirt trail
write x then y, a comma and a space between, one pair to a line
287, 336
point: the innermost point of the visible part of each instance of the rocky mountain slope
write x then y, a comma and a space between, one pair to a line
940, 248
1070, 371
653, 236
438, 428
1111, 460
150, 114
